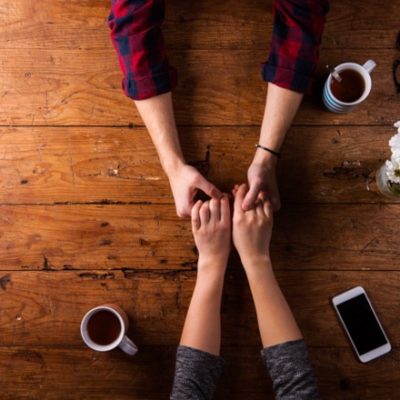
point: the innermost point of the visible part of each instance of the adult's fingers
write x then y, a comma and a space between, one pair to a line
184, 209
196, 223
268, 209
205, 213
262, 196
259, 207
276, 202
214, 210
251, 196
208, 188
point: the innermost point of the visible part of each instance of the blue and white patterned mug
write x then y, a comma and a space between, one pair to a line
335, 105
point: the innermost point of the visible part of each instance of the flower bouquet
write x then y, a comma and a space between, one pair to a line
388, 176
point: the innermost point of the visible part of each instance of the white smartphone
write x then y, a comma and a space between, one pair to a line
361, 324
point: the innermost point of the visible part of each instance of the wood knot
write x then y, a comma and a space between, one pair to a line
4, 281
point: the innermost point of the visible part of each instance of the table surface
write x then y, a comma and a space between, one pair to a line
87, 217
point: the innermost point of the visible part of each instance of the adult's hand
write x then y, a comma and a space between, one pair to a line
186, 182
262, 178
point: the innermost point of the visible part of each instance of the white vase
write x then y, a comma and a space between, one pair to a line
384, 186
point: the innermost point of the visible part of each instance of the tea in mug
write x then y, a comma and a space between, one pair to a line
104, 327
350, 88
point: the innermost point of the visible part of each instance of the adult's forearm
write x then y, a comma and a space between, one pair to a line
291, 65
280, 108
202, 329
158, 116
275, 319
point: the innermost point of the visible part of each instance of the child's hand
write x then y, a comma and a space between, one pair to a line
211, 226
252, 229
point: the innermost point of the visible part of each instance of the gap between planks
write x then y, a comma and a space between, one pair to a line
138, 126
153, 203
189, 270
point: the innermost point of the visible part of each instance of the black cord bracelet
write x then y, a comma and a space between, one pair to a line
275, 153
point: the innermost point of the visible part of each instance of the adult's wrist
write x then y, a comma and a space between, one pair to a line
265, 159
172, 165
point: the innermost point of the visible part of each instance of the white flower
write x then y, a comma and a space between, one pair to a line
394, 142
393, 167
397, 125
396, 156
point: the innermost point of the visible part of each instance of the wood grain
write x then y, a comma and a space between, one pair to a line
47, 308
86, 214
76, 165
217, 87
67, 373
203, 25
319, 237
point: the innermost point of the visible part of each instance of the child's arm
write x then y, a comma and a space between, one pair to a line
285, 353
198, 364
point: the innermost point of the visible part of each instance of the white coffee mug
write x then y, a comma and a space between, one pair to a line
121, 341
335, 105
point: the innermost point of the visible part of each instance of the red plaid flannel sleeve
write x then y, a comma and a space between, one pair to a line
294, 53
136, 35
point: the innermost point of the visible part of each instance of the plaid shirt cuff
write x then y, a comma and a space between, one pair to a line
296, 38
287, 78
140, 88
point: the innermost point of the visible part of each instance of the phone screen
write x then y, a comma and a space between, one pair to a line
361, 324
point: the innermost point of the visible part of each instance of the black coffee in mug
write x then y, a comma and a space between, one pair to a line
104, 327
350, 88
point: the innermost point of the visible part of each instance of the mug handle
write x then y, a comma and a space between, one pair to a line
128, 346
369, 65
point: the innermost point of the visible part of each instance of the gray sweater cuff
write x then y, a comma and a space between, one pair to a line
291, 372
196, 374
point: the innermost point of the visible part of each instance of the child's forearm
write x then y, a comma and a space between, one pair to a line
202, 329
275, 319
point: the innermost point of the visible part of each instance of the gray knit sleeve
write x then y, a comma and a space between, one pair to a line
196, 374
291, 372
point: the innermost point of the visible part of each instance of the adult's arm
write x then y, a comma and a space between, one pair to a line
135, 27
148, 79
289, 71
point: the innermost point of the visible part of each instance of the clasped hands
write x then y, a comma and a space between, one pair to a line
186, 181
214, 227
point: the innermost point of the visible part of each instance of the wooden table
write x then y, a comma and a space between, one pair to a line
87, 217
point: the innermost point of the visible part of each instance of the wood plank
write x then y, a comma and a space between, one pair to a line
52, 165
217, 87
59, 373
55, 374
205, 25
328, 237
46, 308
